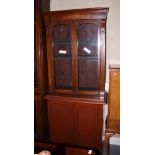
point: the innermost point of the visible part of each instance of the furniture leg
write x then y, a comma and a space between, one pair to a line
107, 137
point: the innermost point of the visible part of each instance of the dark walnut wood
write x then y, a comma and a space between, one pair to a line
78, 14
113, 118
40, 70
78, 151
75, 121
40, 118
76, 76
40, 63
53, 148
76, 51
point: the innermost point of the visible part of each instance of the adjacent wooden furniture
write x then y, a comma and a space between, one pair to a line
113, 118
76, 50
40, 68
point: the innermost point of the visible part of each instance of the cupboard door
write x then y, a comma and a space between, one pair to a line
60, 121
87, 38
62, 53
88, 124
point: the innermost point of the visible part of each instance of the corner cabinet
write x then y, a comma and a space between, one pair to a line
76, 55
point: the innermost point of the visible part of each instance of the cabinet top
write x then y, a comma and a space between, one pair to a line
76, 14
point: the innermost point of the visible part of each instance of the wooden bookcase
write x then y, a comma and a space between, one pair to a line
76, 59
76, 51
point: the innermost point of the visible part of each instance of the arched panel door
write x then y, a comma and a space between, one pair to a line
87, 38
62, 56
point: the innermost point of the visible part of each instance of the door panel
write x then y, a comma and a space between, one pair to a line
62, 54
87, 32
63, 73
88, 124
60, 121
88, 74
88, 52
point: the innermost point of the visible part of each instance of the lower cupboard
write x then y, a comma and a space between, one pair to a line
75, 121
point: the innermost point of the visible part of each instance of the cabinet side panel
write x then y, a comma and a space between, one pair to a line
40, 118
114, 95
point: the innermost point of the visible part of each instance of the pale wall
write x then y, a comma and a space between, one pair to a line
113, 23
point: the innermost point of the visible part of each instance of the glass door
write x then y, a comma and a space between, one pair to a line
87, 41
62, 56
